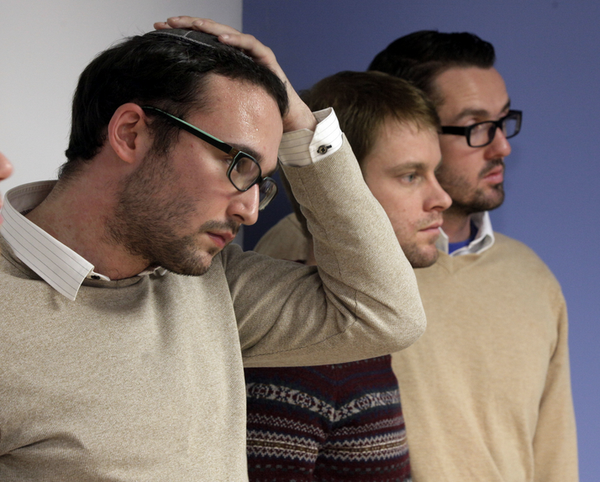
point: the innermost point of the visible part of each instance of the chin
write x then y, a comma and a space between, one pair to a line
197, 265
492, 200
422, 258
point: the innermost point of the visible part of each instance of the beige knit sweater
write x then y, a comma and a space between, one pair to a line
142, 380
486, 391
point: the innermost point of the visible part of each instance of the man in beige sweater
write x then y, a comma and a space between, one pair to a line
344, 421
486, 391
119, 362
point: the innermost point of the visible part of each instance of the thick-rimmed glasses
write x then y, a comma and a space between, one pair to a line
482, 133
243, 171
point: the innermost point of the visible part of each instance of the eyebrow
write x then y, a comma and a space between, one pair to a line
247, 150
478, 112
257, 156
416, 165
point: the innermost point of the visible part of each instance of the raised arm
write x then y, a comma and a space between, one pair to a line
362, 299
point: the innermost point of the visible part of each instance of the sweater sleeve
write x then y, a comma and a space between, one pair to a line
360, 301
555, 442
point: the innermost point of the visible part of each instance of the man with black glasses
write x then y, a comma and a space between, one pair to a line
486, 391
119, 361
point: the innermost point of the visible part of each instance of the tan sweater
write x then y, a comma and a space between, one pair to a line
486, 391
142, 380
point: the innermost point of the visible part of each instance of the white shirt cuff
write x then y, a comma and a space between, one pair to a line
304, 147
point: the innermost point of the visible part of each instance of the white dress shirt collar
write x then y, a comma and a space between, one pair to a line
59, 266
65, 270
483, 240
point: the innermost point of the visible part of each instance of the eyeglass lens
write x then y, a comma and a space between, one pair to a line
483, 133
267, 191
245, 172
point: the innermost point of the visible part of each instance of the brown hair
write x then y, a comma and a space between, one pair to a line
364, 101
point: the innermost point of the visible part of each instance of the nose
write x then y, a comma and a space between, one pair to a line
5, 167
243, 206
499, 147
437, 199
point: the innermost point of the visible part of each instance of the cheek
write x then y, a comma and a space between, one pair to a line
461, 161
398, 204
455, 150
400, 217
457, 172
203, 177
387, 197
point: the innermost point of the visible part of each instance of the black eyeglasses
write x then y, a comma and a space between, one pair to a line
482, 133
243, 172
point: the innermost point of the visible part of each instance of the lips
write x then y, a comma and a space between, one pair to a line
221, 239
494, 173
433, 227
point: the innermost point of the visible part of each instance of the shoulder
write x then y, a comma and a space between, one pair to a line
515, 260
508, 259
517, 253
18, 283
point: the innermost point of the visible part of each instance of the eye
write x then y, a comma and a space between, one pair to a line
409, 178
480, 128
246, 166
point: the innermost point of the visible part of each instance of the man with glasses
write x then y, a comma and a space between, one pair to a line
119, 361
486, 391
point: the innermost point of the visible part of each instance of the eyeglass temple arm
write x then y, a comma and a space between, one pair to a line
226, 148
460, 131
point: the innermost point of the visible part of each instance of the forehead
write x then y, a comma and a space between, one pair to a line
401, 144
243, 115
471, 90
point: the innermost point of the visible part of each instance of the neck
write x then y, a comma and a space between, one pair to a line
75, 213
457, 225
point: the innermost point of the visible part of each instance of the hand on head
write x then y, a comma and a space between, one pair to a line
5, 167
299, 115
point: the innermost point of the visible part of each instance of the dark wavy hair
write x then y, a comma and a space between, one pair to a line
421, 56
163, 70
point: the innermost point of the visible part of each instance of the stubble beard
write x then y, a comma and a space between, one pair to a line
418, 255
145, 222
466, 199
417, 258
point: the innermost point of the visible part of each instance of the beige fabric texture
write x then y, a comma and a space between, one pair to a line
486, 391
285, 240
142, 379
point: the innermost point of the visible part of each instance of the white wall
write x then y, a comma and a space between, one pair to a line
44, 46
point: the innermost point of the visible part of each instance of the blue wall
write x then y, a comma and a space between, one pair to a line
549, 55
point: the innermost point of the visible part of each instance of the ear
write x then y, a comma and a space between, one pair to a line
128, 133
